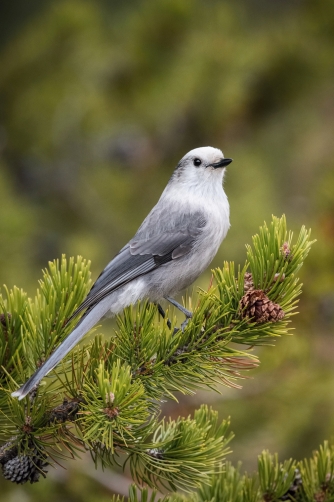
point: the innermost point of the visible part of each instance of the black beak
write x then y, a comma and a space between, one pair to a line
221, 163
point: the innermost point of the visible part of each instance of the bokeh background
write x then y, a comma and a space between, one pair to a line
98, 101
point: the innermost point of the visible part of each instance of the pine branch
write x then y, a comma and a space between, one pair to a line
309, 480
106, 395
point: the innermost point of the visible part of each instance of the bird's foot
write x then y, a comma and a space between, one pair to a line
183, 326
185, 311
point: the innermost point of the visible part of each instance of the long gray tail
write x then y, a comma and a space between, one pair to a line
85, 324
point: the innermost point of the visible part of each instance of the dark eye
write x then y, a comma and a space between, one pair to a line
197, 162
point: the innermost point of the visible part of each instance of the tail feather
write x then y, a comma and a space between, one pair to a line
84, 325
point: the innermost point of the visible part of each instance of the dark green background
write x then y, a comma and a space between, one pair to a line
100, 99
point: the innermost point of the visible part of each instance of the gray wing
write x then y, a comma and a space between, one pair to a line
158, 241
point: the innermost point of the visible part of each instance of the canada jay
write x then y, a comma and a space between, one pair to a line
172, 247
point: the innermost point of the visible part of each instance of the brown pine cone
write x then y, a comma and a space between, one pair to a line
256, 305
248, 281
64, 412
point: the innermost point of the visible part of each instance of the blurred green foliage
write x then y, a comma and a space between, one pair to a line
99, 100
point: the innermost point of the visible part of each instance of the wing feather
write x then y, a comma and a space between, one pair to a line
147, 251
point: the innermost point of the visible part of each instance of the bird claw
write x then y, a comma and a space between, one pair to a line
187, 313
183, 326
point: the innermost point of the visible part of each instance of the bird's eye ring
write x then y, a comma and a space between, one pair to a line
197, 162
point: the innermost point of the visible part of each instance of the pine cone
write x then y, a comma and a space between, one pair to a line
64, 412
21, 468
256, 305
248, 282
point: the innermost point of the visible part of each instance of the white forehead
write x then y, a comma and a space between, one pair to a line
206, 153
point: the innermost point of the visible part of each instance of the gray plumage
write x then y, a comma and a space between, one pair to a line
174, 244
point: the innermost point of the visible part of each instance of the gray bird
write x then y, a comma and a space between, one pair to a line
172, 247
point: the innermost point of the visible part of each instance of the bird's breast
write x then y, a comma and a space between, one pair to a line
213, 233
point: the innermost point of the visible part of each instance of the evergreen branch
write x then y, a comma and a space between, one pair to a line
184, 452
114, 408
12, 308
107, 394
318, 475
311, 480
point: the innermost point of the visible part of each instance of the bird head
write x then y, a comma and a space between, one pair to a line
205, 165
